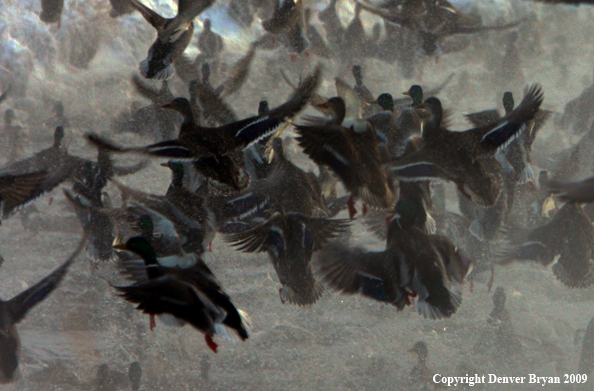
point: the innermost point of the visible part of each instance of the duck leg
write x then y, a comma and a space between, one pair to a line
491, 279
408, 296
280, 293
152, 323
351, 207
364, 209
210, 343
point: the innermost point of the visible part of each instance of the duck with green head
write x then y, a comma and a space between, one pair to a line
191, 295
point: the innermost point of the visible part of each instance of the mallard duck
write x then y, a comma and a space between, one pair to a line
135, 375
354, 40
188, 202
414, 263
458, 156
173, 36
286, 14
577, 114
191, 294
290, 240
331, 23
50, 159
420, 376
352, 153
210, 43
416, 94
317, 44
216, 152
517, 154
432, 21
14, 310
51, 11
567, 240
194, 235
286, 187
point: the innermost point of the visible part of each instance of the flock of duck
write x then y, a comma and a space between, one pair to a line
233, 177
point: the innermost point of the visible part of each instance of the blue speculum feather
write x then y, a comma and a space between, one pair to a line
501, 135
373, 287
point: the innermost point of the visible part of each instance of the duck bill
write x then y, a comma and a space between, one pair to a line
322, 106
167, 106
121, 247
164, 164
406, 93
373, 102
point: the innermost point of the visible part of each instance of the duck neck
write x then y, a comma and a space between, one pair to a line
338, 114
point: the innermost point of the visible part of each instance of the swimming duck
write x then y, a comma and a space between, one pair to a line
216, 152
352, 153
290, 240
414, 263
191, 294
210, 43
173, 36
420, 377
458, 156
567, 240
14, 310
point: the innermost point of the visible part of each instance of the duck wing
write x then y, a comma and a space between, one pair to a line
19, 305
490, 138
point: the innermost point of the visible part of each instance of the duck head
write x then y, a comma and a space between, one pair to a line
386, 101
58, 136
177, 170
263, 108
9, 116
358, 74
182, 106
416, 93
143, 248
338, 108
435, 109
420, 348
508, 102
